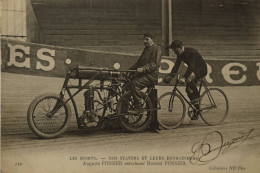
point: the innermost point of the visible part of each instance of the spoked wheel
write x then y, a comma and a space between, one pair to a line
134, 122
172, 110
44, 119
214, 106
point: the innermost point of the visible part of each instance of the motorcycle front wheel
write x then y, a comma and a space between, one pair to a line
48, 116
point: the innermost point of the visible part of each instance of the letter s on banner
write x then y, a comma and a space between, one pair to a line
226, 72
170, 65
14, 54
41, 56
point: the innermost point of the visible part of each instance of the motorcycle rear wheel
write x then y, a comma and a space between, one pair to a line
134, 122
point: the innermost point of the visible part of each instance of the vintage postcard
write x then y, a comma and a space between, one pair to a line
68, 80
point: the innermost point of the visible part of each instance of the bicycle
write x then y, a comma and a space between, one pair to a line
49, 114
213, 106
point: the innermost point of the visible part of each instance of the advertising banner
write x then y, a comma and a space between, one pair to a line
44, 60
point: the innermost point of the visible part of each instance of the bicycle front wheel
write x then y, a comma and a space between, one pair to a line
42, 119
172, 110
214, 106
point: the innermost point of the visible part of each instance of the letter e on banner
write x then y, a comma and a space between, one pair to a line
226, 72
14, 54
50, 60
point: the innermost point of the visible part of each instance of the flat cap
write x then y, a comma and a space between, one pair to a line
149, 35
175, 43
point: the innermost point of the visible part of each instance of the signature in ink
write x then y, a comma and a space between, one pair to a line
208, 150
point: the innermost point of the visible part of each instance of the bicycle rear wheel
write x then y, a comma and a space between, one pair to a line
172, 110
214, 106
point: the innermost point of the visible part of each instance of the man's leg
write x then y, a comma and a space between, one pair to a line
191, 87
138, 84
192, 97
141, 83
193, 93
154, 126
199, 74
189, 92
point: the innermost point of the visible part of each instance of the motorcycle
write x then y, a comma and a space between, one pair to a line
48, 115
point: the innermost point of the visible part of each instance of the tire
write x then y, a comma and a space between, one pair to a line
44, 124
170, 119
134, 123
214, 115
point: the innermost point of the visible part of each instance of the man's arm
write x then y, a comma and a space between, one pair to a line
191, 64
137, 64
134, 66
187, 73
153, 64
176, 67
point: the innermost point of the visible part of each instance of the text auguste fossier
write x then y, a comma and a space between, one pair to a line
133, 160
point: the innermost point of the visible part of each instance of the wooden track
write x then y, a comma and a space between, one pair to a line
19, 144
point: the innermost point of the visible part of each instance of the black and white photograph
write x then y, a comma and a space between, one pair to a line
130, 86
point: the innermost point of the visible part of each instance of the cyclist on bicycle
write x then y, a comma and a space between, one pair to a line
197, 69
147, 67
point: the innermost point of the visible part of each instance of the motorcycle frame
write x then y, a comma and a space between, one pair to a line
80, 86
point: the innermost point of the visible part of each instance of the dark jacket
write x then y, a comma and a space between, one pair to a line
194, 61
149, 61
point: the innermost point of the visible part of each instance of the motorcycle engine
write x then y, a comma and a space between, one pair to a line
90, 118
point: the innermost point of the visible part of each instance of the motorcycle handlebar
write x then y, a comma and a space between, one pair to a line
98, 73
101, 69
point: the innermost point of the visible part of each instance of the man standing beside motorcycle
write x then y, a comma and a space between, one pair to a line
147, 67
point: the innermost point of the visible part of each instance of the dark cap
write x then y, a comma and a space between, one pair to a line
149, 35
175, 43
